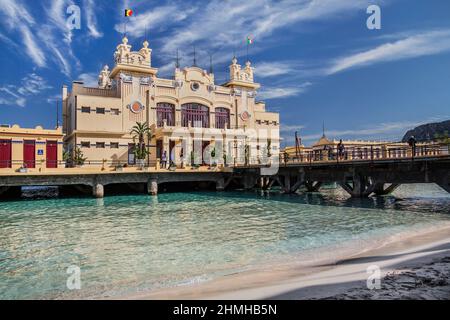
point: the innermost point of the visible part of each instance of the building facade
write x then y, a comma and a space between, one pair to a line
34, 149
190, 116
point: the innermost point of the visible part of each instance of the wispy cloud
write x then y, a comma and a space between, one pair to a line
155, 18
221, 26
91, 19
382, 131
15, 16
50, 41
257, 17
421, 44
89, 79
31, 85
283, 92
272, 69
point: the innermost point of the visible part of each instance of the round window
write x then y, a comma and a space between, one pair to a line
136, 107
195, 86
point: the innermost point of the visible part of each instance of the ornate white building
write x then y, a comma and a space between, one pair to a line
188, 114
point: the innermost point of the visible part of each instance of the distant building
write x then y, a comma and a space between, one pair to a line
99, 120
327, 149
36, 148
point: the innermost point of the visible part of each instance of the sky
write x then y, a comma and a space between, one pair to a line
317, 61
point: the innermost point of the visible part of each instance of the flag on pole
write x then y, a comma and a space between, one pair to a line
128, 12
249, 40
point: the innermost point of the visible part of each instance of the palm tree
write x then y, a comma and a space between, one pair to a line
140, 131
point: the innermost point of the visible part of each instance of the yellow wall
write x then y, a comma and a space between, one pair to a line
17, 135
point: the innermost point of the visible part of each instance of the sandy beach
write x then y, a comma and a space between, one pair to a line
413, 267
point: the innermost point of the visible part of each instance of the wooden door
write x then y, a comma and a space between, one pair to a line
29, 153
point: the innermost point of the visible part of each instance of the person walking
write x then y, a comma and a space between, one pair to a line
164, 160
341, 149
412, 143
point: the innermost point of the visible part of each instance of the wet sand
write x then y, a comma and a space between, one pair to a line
413, 267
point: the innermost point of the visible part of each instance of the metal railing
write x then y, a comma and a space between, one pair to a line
349, 155
368, 153
165, 124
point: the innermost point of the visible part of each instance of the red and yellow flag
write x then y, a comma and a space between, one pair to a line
128, 12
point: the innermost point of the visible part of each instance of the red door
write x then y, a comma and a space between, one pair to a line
29, 153
5, 153
52, 154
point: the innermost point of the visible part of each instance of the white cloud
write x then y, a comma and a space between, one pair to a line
91, 19
89, 79
260, 18
271, 69
155, 18
381, 131
56, 13
50, 41
222, 26
31, 84
283, 92
421, 44
16, 17
291, 128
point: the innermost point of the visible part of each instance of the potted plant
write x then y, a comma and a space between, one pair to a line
213, 157
119, 167
140, 131
269, 151
224, 156
23, 168
78, 158
193, 164
67, 158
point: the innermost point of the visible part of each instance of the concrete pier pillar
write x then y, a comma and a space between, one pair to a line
287, 183
152, 187
261, 183
98, 190
220, 184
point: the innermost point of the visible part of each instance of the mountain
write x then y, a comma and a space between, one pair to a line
428, 131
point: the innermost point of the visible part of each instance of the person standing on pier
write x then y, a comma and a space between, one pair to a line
412, 143
341, 150
164, 159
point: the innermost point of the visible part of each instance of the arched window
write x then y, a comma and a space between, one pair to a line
195, 113
222, 118
165, 111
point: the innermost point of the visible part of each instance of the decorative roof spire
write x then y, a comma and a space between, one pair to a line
177, 61
323, 129
195, 59
210, 64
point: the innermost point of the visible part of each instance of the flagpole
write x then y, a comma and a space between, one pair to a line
247, 49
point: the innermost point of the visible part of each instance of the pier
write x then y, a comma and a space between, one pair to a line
359, 177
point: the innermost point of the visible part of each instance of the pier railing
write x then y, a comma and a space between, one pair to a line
390, 151
327, 155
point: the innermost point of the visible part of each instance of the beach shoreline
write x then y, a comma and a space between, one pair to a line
345, 278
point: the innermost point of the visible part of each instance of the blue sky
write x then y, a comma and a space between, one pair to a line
316, 59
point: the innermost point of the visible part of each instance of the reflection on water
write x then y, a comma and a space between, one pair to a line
125, 243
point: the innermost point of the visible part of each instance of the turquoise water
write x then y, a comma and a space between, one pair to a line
129, 243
